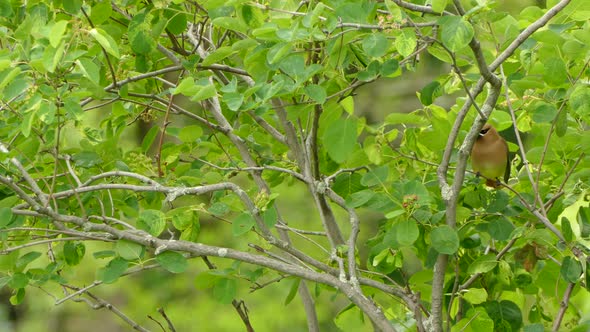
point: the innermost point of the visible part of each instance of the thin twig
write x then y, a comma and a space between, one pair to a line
170, 324
538, 199
563, 306
238, 305
560, 192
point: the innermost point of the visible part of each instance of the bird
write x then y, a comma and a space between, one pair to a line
489, 156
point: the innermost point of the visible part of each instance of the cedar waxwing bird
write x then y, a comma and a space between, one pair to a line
489, 156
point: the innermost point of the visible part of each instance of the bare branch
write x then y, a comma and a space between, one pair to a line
419, 8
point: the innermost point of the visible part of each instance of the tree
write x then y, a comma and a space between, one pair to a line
238, 100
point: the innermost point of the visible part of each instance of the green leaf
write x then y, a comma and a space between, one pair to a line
230, 23
18, 280
106, 41
191, 233
100, 12
376, 176
359, 198
555, 72
73, 108
152, 221
149, 138
544, 113
430, 92
129, 250
571, 269
72, 6
218, 209
205, 92
566, 229
6, 9
404, 118
242, 224
505, 312
417, 188
225, 290
375, 44
580, 100
406, 42
206, 280
500, 229
183, 217
476, 295
270, 217
140, 37
498, 203
172, 261
439, 6
504, 272
340, 139
190, 134
104, 254
561, 123
4, 63
177, 23
74, 252
483, 264
57, 32
89, 69
278, 52
186, 87
347, 104
86, 159
112, 271
346, 184
218, 55
292, 290
26, 259
444, 239
233, 100
5, 216
407, 232
476, 320
390, 68
371, 73
293, 65
394, 213
9, 77
316, 92
394, 10
18, 298
27, 123
456, 32
4, 281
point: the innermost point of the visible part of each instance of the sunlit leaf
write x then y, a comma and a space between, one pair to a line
106, 41
340, 139
456, 32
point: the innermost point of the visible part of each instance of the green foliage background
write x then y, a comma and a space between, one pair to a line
124, 124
